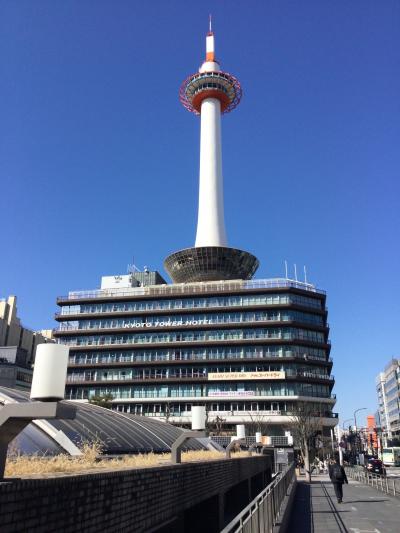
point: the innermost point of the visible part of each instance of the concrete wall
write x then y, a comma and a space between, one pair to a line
191, 497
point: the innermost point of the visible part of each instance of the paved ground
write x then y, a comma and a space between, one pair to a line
364, 509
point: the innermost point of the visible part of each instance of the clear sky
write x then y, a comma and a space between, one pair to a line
99, 161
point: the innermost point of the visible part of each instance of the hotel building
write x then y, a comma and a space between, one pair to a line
246, 349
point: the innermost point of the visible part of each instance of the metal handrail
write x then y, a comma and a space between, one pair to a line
380, 482
262, 513
189, 288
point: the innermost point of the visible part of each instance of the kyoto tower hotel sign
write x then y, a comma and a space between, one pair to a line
210, 93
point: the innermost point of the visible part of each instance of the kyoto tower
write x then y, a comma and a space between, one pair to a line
210, 93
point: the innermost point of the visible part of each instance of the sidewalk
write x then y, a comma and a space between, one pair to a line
364, 509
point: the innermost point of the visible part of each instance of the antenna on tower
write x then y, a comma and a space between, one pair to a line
305, 274
210, 23
286, 273
295, 272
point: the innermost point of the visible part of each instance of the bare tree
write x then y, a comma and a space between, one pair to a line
218, 424
257, 423
167, 412
306, 424
214, 425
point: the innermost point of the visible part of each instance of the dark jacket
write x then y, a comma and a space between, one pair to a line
344, 477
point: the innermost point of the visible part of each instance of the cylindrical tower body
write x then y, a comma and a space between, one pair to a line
210, 222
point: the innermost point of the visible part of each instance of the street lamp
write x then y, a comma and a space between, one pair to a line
355, 419
348, 420
355, 424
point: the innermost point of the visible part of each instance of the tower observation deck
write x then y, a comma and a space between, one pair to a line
210, 93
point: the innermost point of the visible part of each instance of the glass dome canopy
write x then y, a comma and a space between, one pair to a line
117, 433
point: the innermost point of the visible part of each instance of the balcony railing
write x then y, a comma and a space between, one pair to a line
123, 359
212, 339
128, 327
193, 288
256, 415
89, 377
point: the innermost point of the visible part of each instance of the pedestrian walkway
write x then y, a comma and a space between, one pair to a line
364, 509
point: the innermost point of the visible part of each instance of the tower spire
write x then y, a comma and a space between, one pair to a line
210, 44
210, 23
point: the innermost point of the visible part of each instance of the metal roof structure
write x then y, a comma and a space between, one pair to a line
117, 433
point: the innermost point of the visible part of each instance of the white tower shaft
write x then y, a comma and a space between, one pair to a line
210, 222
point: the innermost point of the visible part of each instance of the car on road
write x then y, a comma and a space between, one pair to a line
375, 466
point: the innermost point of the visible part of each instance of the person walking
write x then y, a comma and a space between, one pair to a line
338, 477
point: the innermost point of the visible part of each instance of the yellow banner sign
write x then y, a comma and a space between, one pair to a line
226, 376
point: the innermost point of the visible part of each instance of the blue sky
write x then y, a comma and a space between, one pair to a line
99, 161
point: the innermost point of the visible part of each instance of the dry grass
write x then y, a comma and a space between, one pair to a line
22, 466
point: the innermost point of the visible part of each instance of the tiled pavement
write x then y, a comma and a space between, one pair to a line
364, 509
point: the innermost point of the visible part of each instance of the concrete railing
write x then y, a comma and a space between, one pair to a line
263, 513
382, 483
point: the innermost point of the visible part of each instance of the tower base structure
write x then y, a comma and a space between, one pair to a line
210, 263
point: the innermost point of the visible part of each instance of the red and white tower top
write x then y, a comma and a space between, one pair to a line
210, 81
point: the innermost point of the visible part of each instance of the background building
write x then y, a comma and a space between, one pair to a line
388, 391
17, 346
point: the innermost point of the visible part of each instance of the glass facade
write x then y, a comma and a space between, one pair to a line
159, 360
193, 303
193, 319
190, 372
197, 336
237, 390
196, 354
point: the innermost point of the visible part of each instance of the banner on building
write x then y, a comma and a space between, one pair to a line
241, 376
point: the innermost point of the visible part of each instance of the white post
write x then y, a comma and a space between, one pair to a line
210, 222
49, 372
198, 417
240, 431
340, 449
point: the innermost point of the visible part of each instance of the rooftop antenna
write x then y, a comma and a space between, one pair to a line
295, 272
305, 274
132, 268
286, 272
210, 23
